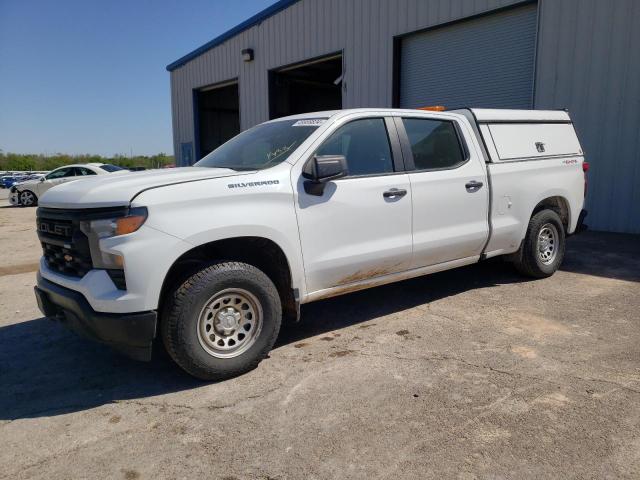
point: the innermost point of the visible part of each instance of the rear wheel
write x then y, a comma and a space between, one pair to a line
542, 251
28, 198
222, 321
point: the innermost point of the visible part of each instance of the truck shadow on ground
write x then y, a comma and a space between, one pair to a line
358, 307
46, 370
609, 255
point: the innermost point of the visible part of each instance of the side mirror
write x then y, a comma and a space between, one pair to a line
322, 169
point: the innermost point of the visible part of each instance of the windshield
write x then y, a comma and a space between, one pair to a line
262, 146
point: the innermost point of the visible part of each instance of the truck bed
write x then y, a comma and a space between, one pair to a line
532, 156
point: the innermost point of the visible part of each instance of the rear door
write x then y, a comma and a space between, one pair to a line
360, 227
83, 172
450, 195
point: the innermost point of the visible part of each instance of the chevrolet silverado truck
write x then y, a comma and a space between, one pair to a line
212, 258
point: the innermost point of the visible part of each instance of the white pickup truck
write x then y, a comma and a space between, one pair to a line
215, 256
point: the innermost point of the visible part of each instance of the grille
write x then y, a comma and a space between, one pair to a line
68, 261
64, 246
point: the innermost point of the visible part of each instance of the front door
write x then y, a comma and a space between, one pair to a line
356, 230
449, 190
61, 175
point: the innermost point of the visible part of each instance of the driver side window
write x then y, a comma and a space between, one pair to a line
365, 145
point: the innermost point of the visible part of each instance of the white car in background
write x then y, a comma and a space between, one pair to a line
27, 193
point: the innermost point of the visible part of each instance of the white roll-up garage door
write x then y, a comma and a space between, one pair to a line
483, 62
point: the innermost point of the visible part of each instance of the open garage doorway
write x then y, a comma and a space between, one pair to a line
306, 87
217, 116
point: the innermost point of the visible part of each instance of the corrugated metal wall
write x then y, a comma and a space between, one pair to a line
589, 62
362, 29
586, 61
485, 62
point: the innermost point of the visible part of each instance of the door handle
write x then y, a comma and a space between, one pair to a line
473, 186
395, 192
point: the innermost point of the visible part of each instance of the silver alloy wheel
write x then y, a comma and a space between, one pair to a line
27, 198
548, 243
230, 323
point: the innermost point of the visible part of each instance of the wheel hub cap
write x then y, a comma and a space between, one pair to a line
544, 245
229, 323
547, 243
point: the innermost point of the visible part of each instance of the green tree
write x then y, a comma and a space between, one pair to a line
26, 162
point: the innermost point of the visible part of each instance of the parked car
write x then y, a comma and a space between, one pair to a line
36, 176
14, 197
25, 177
213, 257
28, 192
3, 177
7, 181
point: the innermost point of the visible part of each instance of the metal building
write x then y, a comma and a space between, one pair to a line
306, 55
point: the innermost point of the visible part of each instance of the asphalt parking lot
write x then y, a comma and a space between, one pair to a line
473, 373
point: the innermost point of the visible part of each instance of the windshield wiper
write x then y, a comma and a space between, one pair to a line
240, 169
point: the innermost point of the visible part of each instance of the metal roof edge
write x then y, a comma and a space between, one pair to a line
250, 22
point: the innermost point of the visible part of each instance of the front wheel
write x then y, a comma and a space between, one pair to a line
542, 250
222, 321
28, 199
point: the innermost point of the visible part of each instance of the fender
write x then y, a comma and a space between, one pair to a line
518, 187
211, 210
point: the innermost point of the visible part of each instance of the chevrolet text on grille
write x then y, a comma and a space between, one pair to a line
56, 229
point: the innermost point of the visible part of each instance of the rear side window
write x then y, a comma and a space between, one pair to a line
434, 143
60, 173
81, 171
365, 145
110, 168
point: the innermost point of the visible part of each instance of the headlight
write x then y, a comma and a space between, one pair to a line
96, 230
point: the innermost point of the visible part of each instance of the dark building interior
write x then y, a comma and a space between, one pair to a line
218, 116
308, 87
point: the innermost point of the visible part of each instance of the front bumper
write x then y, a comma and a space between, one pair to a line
14, 197
130, 333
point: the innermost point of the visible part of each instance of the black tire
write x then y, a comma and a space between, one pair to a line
32, 204
181, 313
529, 261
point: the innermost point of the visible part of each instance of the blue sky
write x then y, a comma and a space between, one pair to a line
89, 76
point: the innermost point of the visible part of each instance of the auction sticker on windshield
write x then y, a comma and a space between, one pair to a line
309, 122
